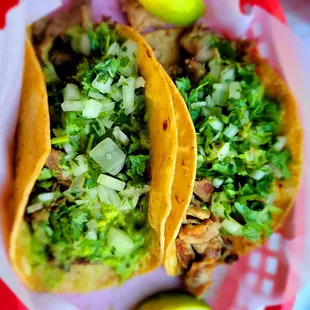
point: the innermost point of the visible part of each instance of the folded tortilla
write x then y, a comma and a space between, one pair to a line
33, 147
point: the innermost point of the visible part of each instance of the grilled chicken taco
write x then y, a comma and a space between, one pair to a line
96, 152
249, 148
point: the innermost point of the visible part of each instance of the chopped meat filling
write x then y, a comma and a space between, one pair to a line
210, 250
199, 277
52, 162
139, 18
195, 234
195, 69
196, 42
185, 253
165, 43
203, 189
198, 212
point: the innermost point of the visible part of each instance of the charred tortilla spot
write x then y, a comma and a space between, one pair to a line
177, 199
148, 53
165, 124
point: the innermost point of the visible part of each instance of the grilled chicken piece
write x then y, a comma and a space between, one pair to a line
203, 189
210, 250
196, 42
195, 69
198, 212
52, 162
199, 278
165, 43
185, 253
139, 18
195, 234
190, 220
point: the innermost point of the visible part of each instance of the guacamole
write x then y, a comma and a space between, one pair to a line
89, 204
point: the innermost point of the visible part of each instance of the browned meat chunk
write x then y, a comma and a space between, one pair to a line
185, 253
199, 278
40, 215
210, 250
165, 43
195, 69
195, 234
77, 13
52, 162
139, 18
190, 220
198, 212
196, 42
203, 189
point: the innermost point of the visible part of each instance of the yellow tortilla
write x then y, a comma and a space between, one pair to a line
184, 179
285, 190
33, 147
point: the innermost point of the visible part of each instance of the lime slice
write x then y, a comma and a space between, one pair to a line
173, 301
177, 12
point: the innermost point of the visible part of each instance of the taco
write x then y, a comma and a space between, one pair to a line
95, 157
249, 148
249, 163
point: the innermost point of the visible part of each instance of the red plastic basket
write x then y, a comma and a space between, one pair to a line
8, 300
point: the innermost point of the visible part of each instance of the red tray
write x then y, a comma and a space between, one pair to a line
8, 299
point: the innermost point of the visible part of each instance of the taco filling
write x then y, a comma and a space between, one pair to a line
241, 153
89, 204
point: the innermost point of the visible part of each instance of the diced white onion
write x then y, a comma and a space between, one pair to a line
231, 131
35, 207
279, 145
234, 90
68, 148
215, 69
129, 49
131, 191
223, 152
215, 123
92, 108
129, 203
105, 120
232, 226
46, 197
120, 241
85, 45
210, 103
101, 86
197, 105
116, 93
129, 95
91, 224
108, 156
110, 182
108, 196
205, 111
81, 166
113, 49
217, 182
72, 106
257, 174
95, 95
107, 105
71, 92
92, 193
227, 75
245, 119
91, 235
220, 94
120, 136
140, 82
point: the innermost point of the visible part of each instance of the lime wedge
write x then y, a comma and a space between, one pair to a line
173, 301
177, 12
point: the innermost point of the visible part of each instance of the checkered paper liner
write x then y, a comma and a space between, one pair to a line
270, 274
